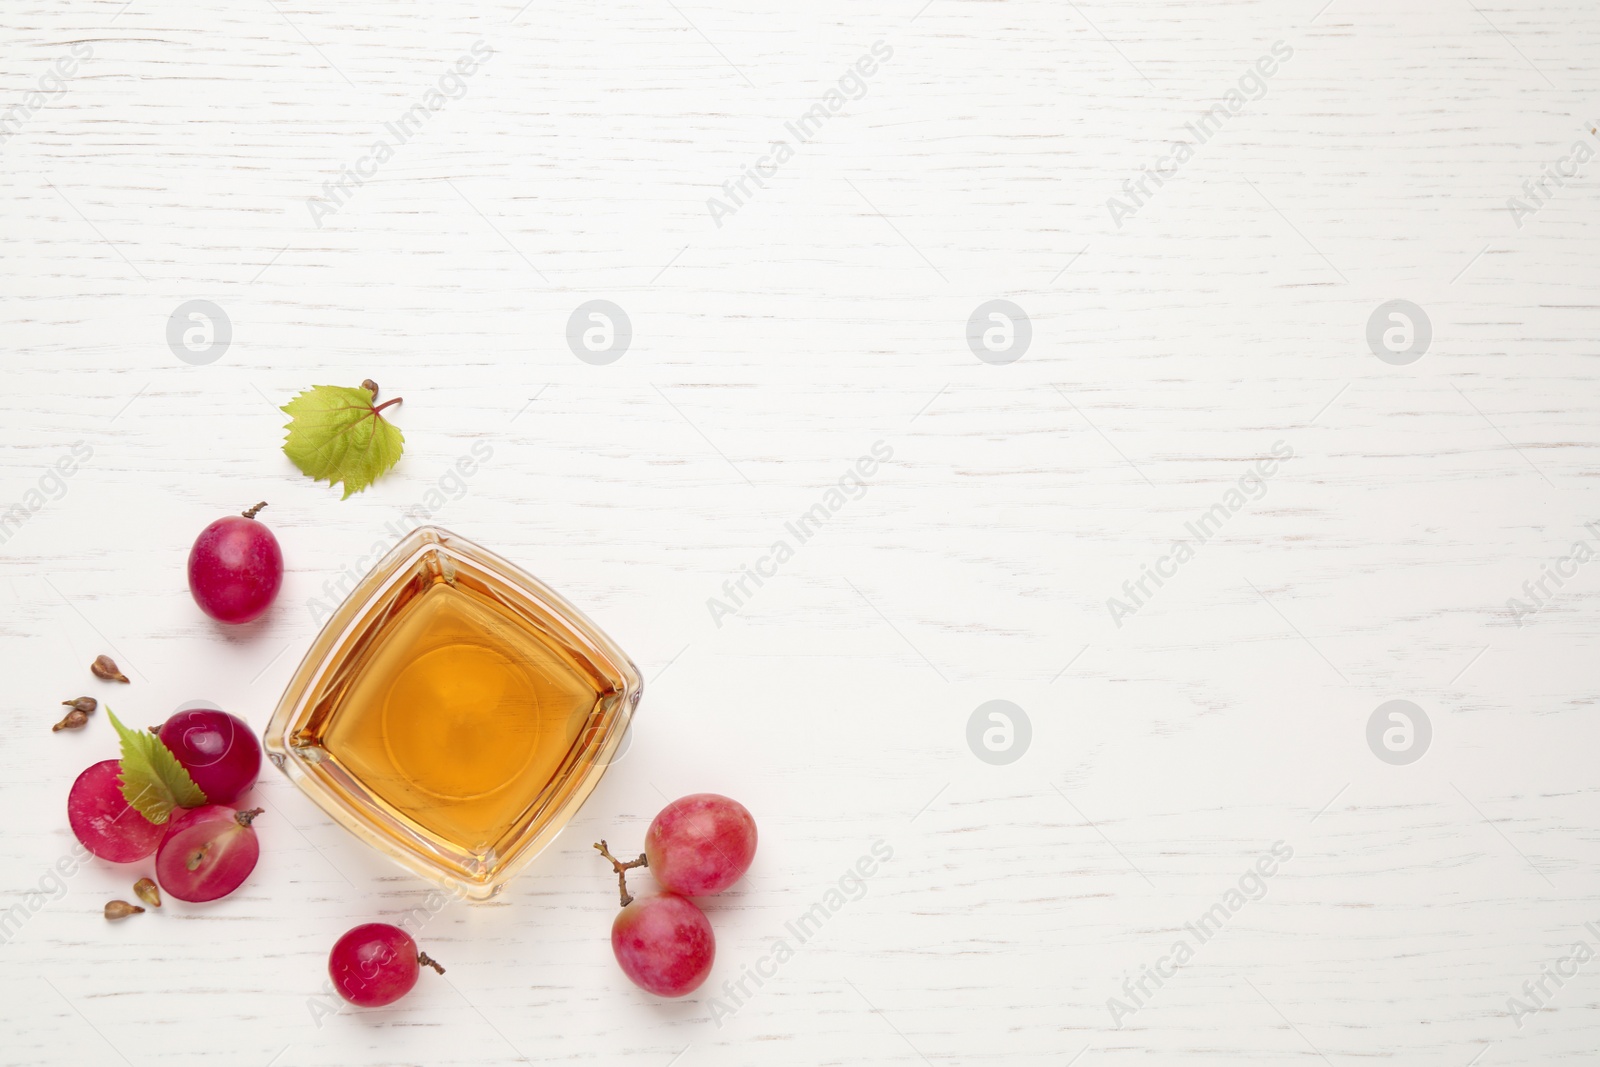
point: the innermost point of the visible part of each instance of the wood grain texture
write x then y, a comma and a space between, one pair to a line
826, 314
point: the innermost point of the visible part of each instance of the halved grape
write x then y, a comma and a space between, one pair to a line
700, 844
376, 964
219, 751
664, 944
106, 824
235, 568
208, 852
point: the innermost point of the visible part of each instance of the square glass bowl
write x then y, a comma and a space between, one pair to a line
454, 712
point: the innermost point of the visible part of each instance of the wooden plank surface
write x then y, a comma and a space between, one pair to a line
160, 154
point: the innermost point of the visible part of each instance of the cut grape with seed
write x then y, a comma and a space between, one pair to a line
102, 819
235, 568
701, 844
208, 852
219, 751
376, 964
663, 943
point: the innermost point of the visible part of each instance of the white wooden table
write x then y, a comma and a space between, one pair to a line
1178, 337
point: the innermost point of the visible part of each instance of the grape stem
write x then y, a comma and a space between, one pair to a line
622, 870
428, 961
387, 404
245, 818
251, 513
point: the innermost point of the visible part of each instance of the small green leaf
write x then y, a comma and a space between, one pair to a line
153, 781
337, 435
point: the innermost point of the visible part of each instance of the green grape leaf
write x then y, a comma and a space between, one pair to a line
153, 781
337, 435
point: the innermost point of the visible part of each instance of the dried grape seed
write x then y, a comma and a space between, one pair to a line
106, 667
146, 890
121, 909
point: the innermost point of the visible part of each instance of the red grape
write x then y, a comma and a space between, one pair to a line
235, 568
208, 852
700, 844
376, 964
218, 750
664, 944
106, 824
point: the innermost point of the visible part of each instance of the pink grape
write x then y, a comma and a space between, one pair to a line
700, 844
664, 944
376, 964
106, 824
208, 852
218, 750
235, 568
